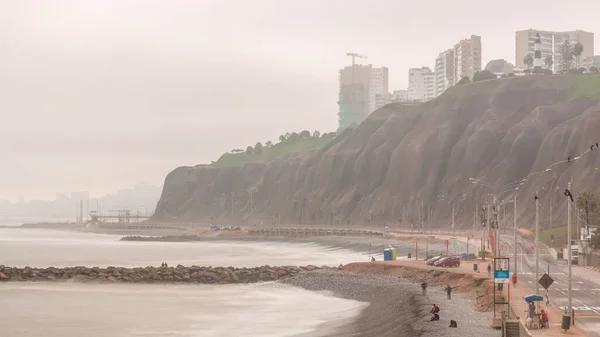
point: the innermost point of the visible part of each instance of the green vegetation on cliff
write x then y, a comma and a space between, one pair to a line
288, 143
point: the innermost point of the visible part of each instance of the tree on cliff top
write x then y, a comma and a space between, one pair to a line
483, 75
528, 60
268, 143
566, 53
249, 150
549, 61
589, 203
305, 134
282, 138
316, 134
258, 148
464, 80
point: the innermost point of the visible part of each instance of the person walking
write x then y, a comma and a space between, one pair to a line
424, 287
449, 291
489, 270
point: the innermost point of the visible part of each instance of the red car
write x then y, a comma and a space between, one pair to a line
450, 261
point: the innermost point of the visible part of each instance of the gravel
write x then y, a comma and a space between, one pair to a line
396, 308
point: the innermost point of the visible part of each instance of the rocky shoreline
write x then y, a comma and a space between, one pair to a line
167, 238
179, 274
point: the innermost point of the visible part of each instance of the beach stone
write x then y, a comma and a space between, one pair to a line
3, 276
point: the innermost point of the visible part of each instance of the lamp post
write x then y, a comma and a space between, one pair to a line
515, 229
568, 195
537, 230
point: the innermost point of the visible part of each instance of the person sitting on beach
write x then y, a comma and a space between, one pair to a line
424, 287
544, 319
453, 324
435, 317
372, 258
435, 309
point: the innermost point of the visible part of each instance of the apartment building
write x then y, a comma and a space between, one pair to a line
550, 44
359, 87
421, 84
467, 57
444, 71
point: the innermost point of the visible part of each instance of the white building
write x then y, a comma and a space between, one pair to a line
550, 44
421, 84
467, 58
444, 71
378, 85
382, 100
400, 96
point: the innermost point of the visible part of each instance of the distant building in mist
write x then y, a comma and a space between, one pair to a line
550, 44
467, 58
397, 96
444, 71
358, 92
421, 84
83, 195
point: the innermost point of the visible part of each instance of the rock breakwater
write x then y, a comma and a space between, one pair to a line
168, 238
179, 274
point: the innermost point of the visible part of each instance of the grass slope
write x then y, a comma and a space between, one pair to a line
269, 153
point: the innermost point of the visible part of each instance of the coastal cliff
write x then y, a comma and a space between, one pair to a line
402, 156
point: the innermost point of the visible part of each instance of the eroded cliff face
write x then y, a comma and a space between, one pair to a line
497, 131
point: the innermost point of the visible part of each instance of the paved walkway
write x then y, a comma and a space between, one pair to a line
518, 305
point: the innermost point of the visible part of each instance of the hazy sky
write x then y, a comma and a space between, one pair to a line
101, 94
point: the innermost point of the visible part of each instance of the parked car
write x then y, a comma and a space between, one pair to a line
450, 261
432, 260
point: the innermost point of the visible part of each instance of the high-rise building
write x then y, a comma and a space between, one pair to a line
359, 87
550, 46
378, 85
399, 96
421, 84
467, 58
444, 71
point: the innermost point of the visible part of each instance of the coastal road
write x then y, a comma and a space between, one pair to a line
585, 293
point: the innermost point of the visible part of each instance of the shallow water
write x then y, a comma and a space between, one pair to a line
74, 309
69, 310
43, 248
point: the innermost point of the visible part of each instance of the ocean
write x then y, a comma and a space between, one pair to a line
74, 309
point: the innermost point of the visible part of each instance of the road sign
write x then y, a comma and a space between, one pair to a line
546, 281
501, 276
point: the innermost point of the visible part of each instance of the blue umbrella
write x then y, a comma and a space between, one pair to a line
533, 298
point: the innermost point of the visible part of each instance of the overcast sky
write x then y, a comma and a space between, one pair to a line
100, 95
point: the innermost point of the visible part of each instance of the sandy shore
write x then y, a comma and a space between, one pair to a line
396, 307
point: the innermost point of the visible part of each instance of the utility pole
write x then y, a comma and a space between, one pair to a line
577, 215
232, 202
551, 213
452, 218
570, 308
537, 231
429, 219
515, 230
489, 225
250, 192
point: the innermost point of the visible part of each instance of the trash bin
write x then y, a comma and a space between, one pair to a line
474, 266
566, 322
409, 255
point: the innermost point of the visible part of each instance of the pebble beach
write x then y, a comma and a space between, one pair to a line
396, 307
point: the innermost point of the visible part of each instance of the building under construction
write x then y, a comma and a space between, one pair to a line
359, 86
